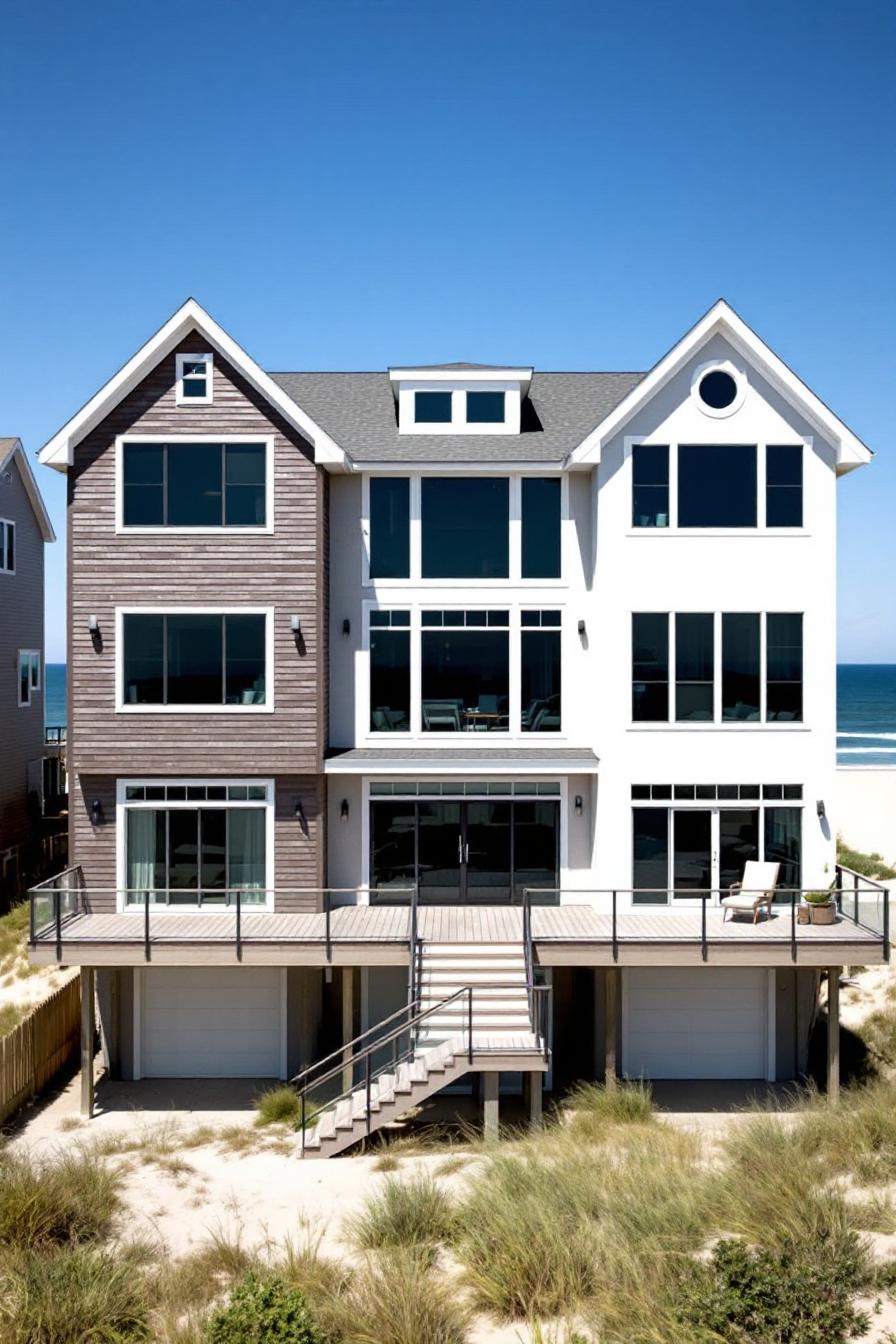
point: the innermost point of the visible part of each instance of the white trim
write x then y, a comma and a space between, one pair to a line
739, 378
222, 531
722, 319
123, 803
17, 453
188, 357
5, 525
58, 451
511, 373
494, 767
173, 610
30, 654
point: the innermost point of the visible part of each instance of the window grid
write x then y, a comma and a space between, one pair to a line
717, 792
778, 478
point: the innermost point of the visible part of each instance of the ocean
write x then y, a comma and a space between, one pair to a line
866, 711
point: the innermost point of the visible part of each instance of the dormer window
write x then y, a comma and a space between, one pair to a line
194, 380
485, 408
432, 408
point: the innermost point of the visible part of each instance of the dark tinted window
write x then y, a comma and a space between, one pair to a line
390, 527
740, 666
694, 671
716, 485
540, 681
738, 843
194, 485
390, 677
784, 666
393, 845
718, 389
194, 659
465, 527
784, 485
783, 845
650, 485
465, 681
485, 408
650, 666
650, 855
432, 408
541, 527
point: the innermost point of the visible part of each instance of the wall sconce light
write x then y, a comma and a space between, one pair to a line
819, 808
295, 625
343, 810
577, 805
581, 627
346, 628
96, 812
300, 816
93, 625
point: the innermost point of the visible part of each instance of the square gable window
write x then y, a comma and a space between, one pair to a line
432, 408
485, 408
194, 380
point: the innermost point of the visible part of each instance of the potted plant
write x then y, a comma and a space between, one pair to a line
822, 907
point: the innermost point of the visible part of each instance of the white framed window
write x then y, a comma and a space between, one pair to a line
194, 380
194, 660
28, 675
7, 546
195, 484
195, 843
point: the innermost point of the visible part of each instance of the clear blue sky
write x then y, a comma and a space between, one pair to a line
349, 184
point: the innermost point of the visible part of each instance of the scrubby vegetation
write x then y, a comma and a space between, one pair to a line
279, 1105
870, 865
263, 1310
414, 1212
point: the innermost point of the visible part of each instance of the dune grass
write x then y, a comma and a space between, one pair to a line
278, 1106
594, 1111
396, 1297
416, 1211
72, 1295
68, 1197
869, 865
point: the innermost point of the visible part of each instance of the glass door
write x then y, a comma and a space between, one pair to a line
487, 855
692, 856
440, 853
738, 843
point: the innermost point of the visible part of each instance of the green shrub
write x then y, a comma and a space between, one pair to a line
799, 1294
263, 1310
595, 1109
278, 1106
395, 1298
71, 1295
869, 865
413, 1212
66, 1197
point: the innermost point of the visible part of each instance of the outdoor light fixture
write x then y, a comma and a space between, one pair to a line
581, 627
819, 808
346, 628
96, 812
93, 625
578, 805
295, 625
343, 810
300, 816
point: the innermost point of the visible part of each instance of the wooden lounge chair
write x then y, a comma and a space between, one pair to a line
755, 890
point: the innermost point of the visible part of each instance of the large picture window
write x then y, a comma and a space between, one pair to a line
194, 658
716, 485
465, 527
195, 844
194, 485
465, 671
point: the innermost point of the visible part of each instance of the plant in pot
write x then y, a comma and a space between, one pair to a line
822, 907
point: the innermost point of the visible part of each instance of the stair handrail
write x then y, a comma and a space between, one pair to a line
412, 945
366, 1052
297, 1080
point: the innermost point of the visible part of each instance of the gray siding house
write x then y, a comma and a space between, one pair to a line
25, 528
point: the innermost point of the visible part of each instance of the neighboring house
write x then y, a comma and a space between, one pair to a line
389, 683
24, 530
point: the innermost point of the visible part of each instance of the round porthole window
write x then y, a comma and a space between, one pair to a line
718, 388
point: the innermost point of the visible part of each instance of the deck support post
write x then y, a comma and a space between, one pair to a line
611, 1024
348, 1019
490, 1083
88, 1035
532, 1086
833, 1034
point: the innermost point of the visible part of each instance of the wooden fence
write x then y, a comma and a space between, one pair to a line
34, 1051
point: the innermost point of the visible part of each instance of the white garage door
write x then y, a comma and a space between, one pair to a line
211, 1022
710, 1022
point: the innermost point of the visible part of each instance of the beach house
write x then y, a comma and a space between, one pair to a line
422, 720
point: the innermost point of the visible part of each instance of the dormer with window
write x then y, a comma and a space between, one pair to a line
459, 398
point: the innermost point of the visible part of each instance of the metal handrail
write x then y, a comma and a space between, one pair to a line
296, 1082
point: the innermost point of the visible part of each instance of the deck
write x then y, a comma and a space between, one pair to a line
566, 934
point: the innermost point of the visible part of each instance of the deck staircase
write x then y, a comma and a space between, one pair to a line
472, 1009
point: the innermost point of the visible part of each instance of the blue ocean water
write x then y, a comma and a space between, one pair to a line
866, 710
54, 695
866, 714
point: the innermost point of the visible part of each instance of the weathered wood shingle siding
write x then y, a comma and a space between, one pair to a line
283, 570
21, 627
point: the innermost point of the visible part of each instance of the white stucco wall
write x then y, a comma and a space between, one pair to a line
866, 809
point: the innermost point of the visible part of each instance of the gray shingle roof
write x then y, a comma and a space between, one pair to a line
358, 411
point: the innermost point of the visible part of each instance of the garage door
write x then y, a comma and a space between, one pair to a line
211, 1022
686, 1023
